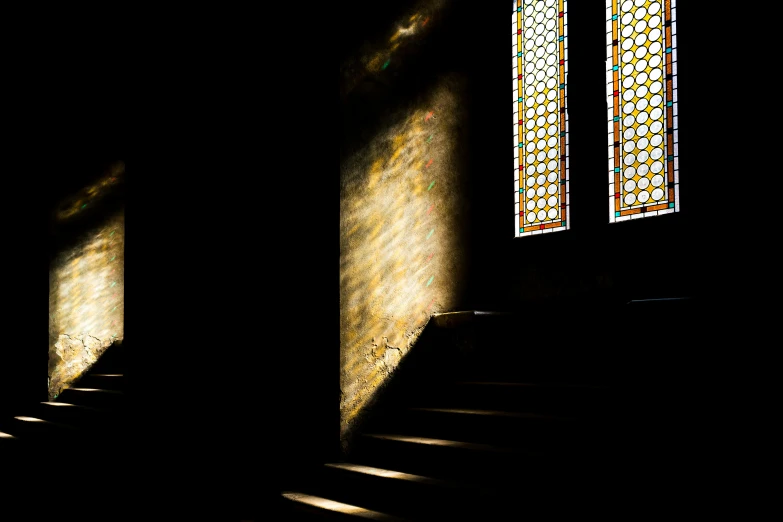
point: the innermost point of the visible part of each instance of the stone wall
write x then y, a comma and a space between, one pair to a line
402, 230
86, 292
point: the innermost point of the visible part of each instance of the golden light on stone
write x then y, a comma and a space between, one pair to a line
86, 295
399, 242
377, 472
339, 507
397, 45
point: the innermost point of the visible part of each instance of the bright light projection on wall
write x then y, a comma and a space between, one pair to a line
641, 75
400, 249
86, 293
91, 194
405, 29
407, 32
540, 67
86, 303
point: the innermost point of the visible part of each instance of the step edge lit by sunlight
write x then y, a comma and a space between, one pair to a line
385, 473
95, 390
332, 505
493, 413
440, 442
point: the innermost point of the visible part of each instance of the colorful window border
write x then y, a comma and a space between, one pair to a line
541, 186
624, 168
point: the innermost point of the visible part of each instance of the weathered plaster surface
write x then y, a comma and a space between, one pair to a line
401, 256
71, 356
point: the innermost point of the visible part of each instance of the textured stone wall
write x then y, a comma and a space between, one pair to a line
402, 256
86, 283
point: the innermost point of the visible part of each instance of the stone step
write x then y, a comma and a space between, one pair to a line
83, 417
315, 505
409, 496
544, 433
105, 381
543, 398
450, 460
28, 429
93, 397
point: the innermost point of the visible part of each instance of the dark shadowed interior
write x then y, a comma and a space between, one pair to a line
233, 350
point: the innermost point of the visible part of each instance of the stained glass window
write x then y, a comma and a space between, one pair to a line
641, 75
540, 68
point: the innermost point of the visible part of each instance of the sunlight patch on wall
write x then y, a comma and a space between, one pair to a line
385, 53
86, 302
400, 251
91, 194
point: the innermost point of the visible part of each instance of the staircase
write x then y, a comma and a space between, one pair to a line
494, 417
72, 448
